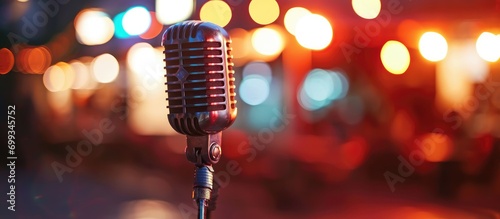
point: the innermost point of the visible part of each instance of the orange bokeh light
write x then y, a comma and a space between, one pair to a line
154, 29
439, 147
6, 61
38, 60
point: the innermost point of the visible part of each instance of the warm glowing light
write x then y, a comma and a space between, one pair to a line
136, 20
146, 86
254, 89
149, 208
241, 45
292, 17
37, 60
264, 11
453, 80
83, 77
6, 60
54, 79
217, 12
140, 56
433, 46
314, 32
93, 27
69, 74
173, 11
488, 46
395, 57
353, 153
439, 147
60, 101
367, 9
105, 68
154, 29
267, 41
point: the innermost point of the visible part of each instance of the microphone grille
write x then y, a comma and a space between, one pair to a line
195, 71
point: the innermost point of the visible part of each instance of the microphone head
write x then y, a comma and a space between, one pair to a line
200, 78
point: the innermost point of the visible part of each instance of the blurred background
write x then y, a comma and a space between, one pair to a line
347, 109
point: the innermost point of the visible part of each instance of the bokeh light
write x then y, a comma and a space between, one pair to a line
453, 80
93, 27
267, 41
488, 46
241, 43
367, 9
217, 12
83, 78
54, 79
439, 147
6, 60
69, 74
433, 46
264, 11
139, 56
254, 89
105, 68
321, 87
292, 17
173, 11
318, 85
148, 208
395, 57
258, 68
119, 31
154, 29
314, 32
136, 20
38, 59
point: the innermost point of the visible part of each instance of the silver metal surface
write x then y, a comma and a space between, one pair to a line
200, 78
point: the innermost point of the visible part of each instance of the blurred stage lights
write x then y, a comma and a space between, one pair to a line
105, 68
254, 89
433, 46
367, 9
320, 88
33, 60
93, 27
154, 29
217, 12
258, 68
136, 20
488, 46
256, 85
140, 56
314, 32
173, 11
395, 57
264, 11
59, 77
267, 41
6, 61
292, 17
120, 33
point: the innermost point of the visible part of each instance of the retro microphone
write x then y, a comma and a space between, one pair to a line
201, 97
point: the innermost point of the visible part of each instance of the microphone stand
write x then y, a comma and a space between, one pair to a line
204, 151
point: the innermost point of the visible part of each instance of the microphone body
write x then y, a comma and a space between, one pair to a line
200, 78
201, 97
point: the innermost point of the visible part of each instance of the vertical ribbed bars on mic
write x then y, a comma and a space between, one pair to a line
199, 78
